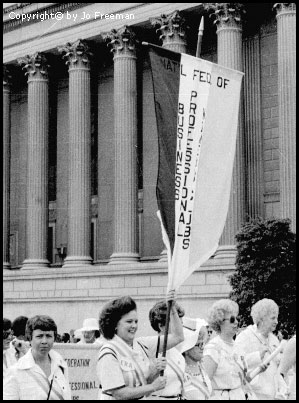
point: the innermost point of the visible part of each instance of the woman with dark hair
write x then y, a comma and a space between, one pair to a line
175, 368
127, 368
41, 374
9, 357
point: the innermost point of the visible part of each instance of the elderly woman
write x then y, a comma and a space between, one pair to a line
175, 368
126, 367
256, 342
197, 385
41, 374
223, 366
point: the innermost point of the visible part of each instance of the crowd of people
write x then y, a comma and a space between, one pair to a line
205, 360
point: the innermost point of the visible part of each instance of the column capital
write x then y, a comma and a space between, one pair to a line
227, 15
172, 27
36, 66
77, 54
284, 7
6, 77
122, 41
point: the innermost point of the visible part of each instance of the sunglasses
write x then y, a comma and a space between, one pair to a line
232, 319
7, 334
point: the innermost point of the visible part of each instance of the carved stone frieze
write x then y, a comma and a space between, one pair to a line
36, 65
226, 14
122, 41
77, 55
172, 27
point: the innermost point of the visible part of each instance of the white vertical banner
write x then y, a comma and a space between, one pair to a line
208, 108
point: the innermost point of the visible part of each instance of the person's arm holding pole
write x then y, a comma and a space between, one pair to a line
265, 363
174, 324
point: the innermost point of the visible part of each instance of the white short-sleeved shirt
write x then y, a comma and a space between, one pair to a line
114, 374
228, 374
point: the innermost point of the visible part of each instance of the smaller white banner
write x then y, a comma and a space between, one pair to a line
81, 360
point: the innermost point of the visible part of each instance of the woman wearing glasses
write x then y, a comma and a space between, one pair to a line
197, 385
224, 367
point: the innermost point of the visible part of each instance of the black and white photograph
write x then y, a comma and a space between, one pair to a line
149, 201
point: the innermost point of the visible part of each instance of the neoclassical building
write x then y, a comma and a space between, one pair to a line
81, 150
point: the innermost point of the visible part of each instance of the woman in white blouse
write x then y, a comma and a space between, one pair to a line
256, 342
41, 374
197, 384
224, 367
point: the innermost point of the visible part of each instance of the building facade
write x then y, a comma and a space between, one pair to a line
81, 149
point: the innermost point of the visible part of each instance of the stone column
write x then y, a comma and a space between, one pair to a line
286, 38
79, 182
37, 155
125, 126
229, 49
172, 29
253, 128
6, 167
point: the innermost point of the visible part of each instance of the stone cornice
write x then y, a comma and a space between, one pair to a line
19, 43
77, 55
36, 66
122, 41
172, 27
226, 14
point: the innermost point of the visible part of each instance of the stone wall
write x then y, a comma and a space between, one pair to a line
70, 296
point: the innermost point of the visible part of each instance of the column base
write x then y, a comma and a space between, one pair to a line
124, 258
226, 252
77, 261
6, 265
33, 264
164, 257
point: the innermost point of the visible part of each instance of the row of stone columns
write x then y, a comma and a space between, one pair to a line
229, 34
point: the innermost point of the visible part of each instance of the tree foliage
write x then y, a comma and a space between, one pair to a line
265, 268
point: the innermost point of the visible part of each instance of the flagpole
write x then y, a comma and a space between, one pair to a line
200, 35
169, 305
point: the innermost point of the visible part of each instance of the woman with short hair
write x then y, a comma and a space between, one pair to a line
126, 367
256, 342
175, 368
41, 374
223, 366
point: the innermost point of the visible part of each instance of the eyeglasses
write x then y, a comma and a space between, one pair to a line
200, 344
232, 319
7, 334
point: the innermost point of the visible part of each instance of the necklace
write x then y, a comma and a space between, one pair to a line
195, 371
202, 376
